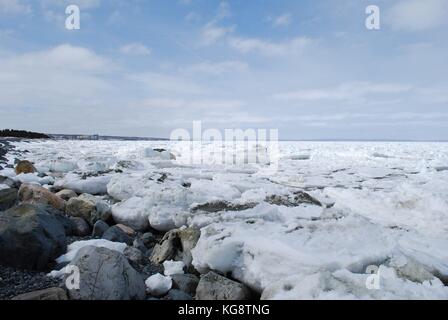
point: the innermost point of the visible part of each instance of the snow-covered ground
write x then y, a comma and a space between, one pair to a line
384, 208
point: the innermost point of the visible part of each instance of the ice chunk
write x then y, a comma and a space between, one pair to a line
92, 185
173, 267
132, 213
158, 285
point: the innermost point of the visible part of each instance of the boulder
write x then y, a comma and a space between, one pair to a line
116, 234
46, 294
149, 240
89, 208
177, 295
128, 230
176, 245
9, 182
24, 166
186, 283
35, 194
134, 255
67, 194
8, 198
138, 244
99, 228
65, 221
30, 238
80, 227
106, 275
213, 286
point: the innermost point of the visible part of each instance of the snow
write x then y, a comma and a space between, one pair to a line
346, 285
33, 178
3, 186
385, 205
158, 285
60, 166
132, 213
93, 185
173, 267
8, 172
73, 248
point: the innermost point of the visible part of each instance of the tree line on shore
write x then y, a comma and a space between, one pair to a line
23, 134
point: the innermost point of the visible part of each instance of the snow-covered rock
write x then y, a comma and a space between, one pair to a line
73, 248
158, 285
383, 204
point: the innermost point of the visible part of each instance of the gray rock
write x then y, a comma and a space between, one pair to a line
80, 227
116, 234
177, 295
134, 255
219, 205
212, 286
65, 221
296, 199
99, 228
88, 207
81, 207
36, 194
9, 182
176, 245
30, 238
46, 294
106, 275
149, 240
67, 194
185, 282
138, 244
8, 198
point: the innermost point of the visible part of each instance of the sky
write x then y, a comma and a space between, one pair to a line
309, 68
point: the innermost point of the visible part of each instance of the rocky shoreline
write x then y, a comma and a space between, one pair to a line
44, 229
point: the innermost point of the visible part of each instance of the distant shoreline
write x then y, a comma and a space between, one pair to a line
21, 134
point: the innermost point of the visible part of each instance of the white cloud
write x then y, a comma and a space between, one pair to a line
346, 91
83, 4
223, 11
211, 33
14, 7
189, 104
167, 84
137, 49
418, 15
270, 48
193, 16
64, 57
282, 21
217, 68
56, 78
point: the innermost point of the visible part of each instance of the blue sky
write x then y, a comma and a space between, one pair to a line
146, 67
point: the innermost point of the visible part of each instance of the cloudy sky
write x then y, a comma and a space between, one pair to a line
145, 67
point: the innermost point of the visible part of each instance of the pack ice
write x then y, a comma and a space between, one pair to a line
314, 229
